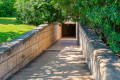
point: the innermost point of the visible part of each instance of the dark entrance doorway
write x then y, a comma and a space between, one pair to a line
68, 30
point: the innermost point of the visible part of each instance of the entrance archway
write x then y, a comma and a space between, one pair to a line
69, 30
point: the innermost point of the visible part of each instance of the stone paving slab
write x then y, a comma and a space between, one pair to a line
61, 61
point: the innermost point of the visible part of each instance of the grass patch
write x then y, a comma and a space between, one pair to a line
9, 28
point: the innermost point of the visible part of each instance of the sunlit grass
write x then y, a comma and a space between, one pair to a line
12, 18
9, 28
7, 20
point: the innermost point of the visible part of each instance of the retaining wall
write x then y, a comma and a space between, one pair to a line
18, 52
102, 62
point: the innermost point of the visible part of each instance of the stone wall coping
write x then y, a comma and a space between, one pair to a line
6, 47
17, 53
106, 61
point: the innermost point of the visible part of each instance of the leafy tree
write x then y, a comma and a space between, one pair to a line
101, 15
7, 8
37, 12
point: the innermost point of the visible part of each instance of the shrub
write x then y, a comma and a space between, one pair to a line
101, 15
37, 12
7, 8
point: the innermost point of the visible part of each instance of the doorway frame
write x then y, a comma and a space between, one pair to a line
77, 29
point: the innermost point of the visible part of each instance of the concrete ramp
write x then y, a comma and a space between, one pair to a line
61, 61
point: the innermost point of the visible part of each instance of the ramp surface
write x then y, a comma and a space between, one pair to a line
61, 61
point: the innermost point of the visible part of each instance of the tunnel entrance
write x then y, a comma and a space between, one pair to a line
69, 30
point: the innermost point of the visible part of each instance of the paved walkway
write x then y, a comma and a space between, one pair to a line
62, 61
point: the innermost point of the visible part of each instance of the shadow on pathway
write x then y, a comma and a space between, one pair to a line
53, 64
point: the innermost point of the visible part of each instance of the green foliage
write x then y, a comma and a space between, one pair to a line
101, 15
37, 12
7, 8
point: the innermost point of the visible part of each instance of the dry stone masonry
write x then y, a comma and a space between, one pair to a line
101, 60
15, 54
18, 52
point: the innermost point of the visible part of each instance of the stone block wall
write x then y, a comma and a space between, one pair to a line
18, 52
102, 62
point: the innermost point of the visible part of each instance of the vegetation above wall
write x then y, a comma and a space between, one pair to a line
37, 12
7, 8
101, 15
